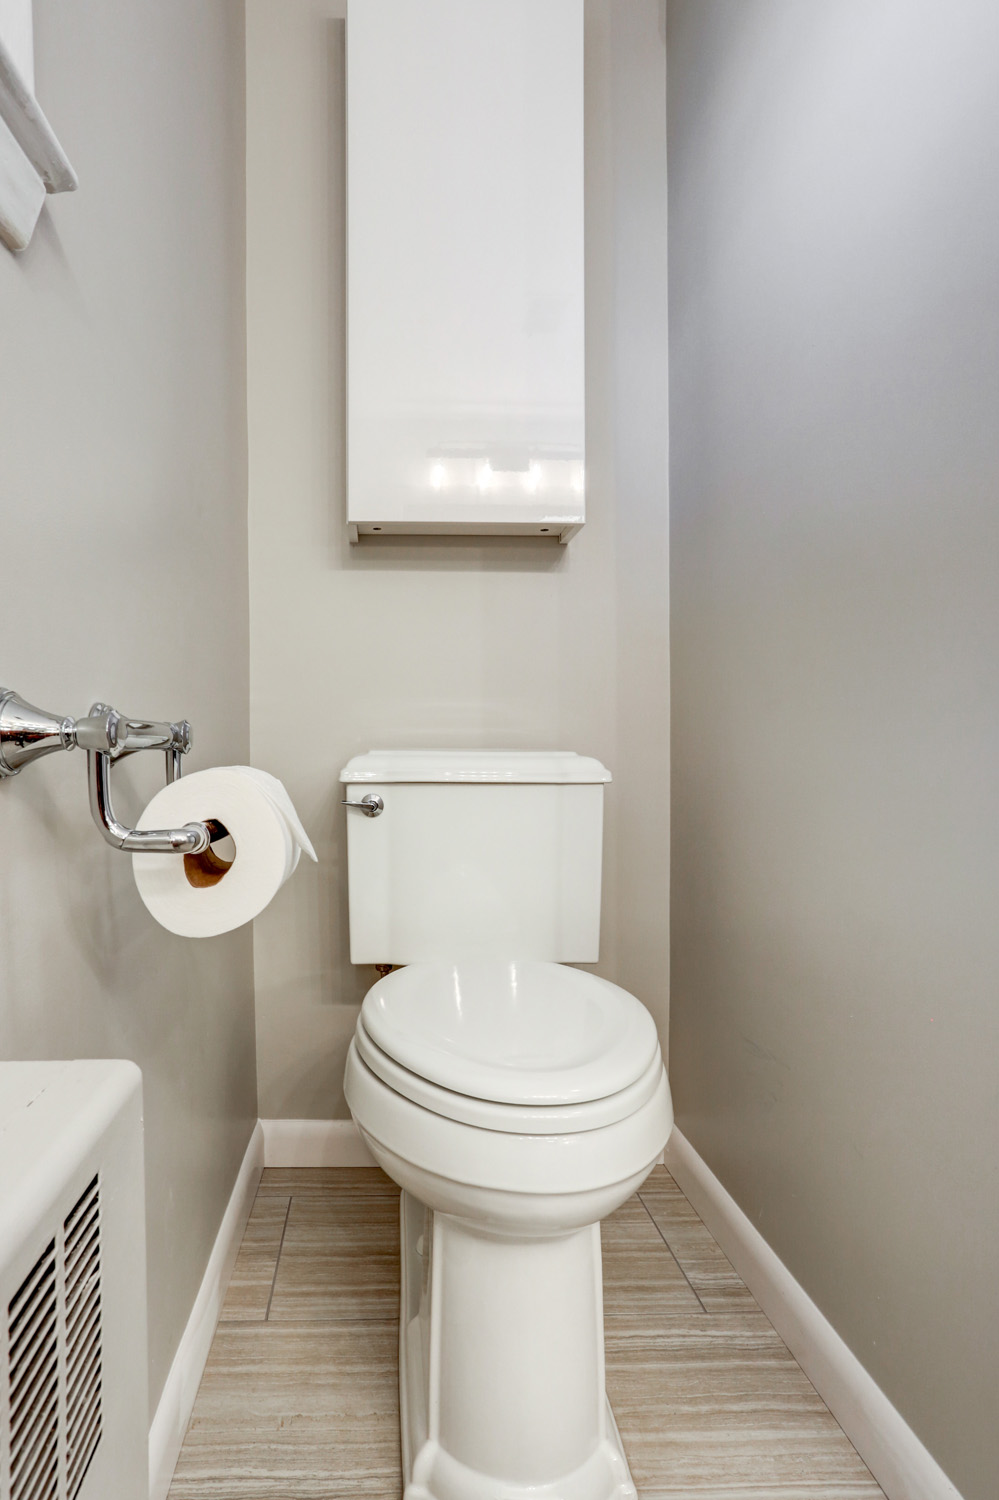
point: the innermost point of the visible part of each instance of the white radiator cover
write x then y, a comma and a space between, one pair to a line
73, 1383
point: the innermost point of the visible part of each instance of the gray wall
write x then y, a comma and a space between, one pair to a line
460, 642
834, 313
123, 502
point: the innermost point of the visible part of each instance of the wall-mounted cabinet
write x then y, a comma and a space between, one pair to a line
465, 353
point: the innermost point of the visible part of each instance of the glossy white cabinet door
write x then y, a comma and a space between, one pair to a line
465, 266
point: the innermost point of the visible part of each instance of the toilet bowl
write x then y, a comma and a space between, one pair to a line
515, 1100
516, 1104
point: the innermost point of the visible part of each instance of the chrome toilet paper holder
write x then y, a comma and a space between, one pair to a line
27, 733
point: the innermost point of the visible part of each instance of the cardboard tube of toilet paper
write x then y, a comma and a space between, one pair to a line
201, 896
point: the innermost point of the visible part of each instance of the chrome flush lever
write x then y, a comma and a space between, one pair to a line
370, 805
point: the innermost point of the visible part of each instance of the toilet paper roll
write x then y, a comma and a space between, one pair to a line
202, 895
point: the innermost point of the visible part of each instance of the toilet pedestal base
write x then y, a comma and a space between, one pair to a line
501, 1364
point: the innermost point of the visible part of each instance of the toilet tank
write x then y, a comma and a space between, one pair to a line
477, 853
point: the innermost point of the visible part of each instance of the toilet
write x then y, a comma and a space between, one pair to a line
516, 1102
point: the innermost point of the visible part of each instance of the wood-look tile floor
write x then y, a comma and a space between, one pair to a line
299, 1399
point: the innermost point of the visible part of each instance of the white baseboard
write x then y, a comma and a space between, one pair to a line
894, 1454
314, 1143
177, 1401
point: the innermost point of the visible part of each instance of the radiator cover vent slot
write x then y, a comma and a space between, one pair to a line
33, 1362
82, 1272
55, 1360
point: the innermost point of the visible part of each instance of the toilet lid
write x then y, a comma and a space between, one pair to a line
517, 1032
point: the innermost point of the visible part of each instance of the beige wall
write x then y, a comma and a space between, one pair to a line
123, 567
834, 238
445, 643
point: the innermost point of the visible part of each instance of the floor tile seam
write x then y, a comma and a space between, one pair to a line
729, 1457
768, 1488
358, 1306
794, 1489
352, 1189
287, 1323
197, 1486
277, 1258
676, 1262
727, 1277
735, 1334
193, 1487
832, 1485
346, 1322
315, 1200
753, 1416
312, 1474
625, 1348
323, 1239
326, 1190
311, 1253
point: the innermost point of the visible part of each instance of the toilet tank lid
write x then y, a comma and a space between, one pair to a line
482, 766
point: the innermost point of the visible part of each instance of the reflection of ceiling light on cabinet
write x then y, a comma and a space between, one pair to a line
465, 253
470, 475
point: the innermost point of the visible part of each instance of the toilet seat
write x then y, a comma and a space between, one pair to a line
546, 1166
524, 1034
521, 1119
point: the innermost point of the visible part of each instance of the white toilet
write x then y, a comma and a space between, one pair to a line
515, 1101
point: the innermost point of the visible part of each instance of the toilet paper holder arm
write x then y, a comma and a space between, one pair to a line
27, 733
